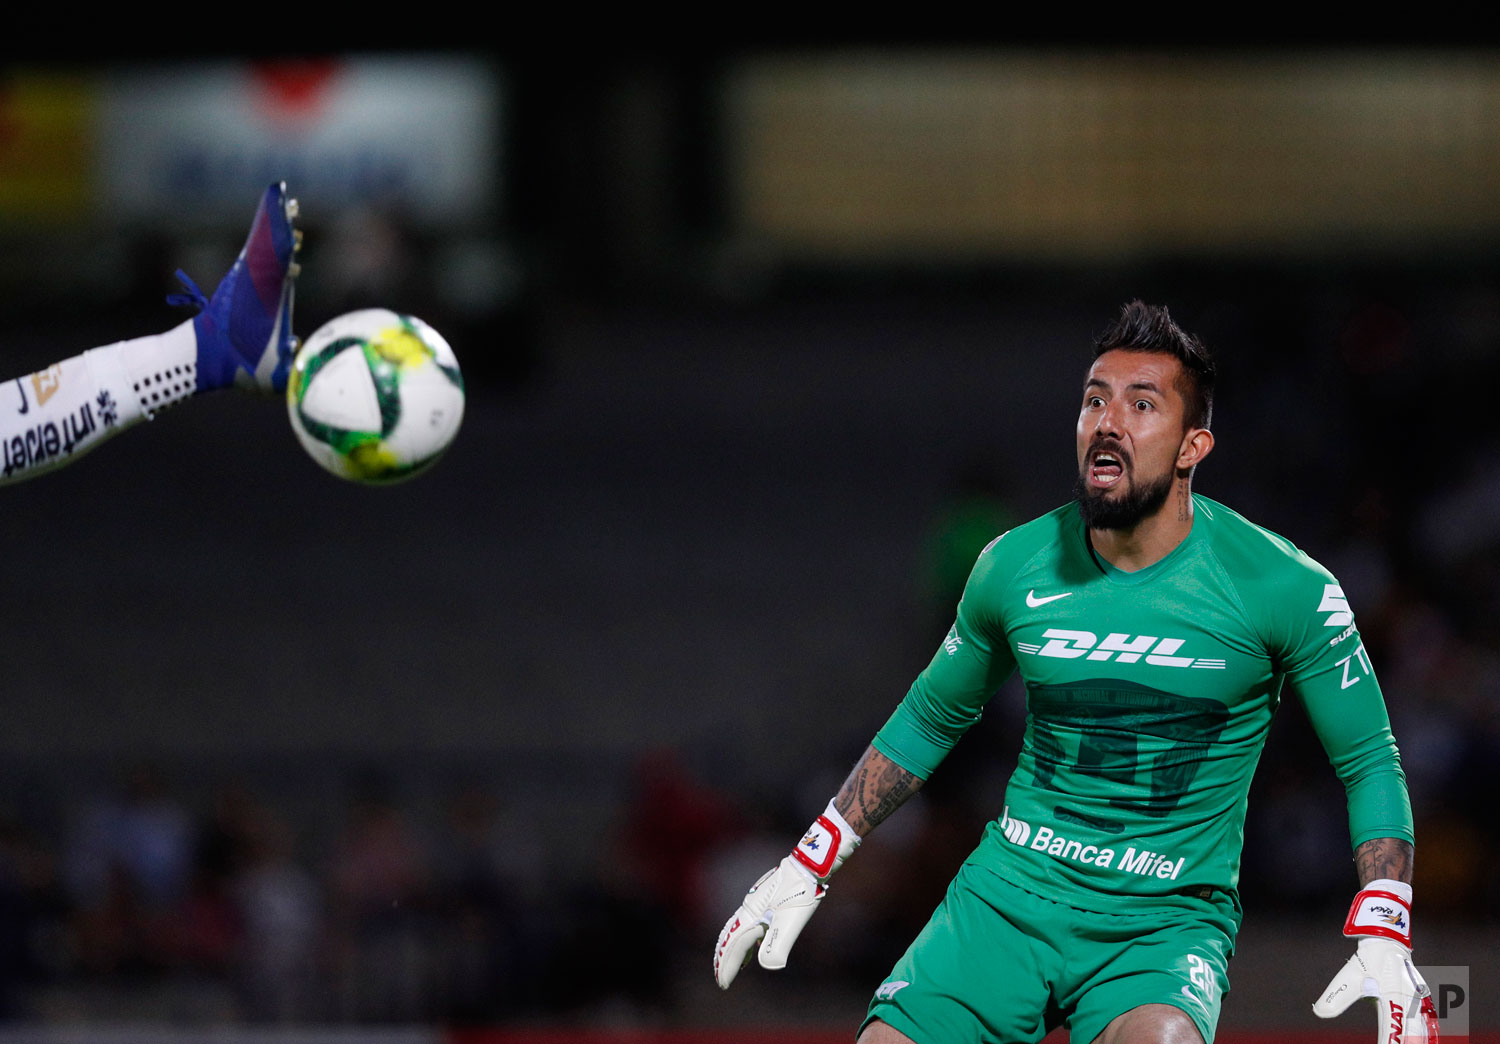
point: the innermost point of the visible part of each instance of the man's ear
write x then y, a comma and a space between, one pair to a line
1197, 443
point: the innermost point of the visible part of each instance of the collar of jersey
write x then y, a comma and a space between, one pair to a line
1141, 576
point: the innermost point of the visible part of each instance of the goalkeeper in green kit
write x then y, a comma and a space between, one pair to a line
1154, 630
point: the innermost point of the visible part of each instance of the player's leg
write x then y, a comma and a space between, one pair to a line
1153, 979
878, 1032
241, 336
1151, 1024
978, 971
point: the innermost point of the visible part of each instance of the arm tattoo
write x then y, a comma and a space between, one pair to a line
875, 789
1384, 857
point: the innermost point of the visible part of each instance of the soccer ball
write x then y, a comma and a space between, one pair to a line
375, 396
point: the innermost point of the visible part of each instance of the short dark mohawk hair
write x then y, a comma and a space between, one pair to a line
1149, 328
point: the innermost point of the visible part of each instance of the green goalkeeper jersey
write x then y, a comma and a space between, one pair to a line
1149, 695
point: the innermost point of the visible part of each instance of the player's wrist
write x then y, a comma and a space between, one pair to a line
826, 844
1400, 889
1381, 909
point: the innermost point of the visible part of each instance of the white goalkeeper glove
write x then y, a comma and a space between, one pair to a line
1381, 968
778, 906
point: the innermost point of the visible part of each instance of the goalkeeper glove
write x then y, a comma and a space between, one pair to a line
778, 906
1381, 968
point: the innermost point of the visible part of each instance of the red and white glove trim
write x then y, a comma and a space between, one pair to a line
826, 844
1382, 908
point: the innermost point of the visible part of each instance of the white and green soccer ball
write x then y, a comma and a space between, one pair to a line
375, 396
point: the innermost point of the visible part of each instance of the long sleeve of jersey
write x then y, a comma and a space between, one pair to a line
1354, 730
948, 697
1329, 671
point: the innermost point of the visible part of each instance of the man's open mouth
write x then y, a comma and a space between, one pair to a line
1106, 468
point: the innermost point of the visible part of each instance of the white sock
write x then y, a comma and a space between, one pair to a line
62, 412
161, 368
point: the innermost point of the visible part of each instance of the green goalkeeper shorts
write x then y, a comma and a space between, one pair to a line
999, 965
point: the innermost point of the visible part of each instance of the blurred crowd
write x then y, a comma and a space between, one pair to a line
155, 899
162, 901
215, 905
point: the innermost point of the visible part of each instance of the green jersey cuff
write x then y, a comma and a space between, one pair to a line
904, 741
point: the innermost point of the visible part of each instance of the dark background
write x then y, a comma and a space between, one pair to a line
505, 744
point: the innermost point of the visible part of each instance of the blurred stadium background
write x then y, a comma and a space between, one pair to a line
762, 343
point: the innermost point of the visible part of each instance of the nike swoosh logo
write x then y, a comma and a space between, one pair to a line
22, 389
1033, 601
1190, 995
